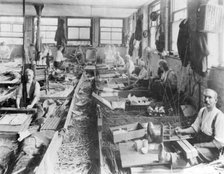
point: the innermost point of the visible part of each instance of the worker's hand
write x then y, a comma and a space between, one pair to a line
178, 130
29, 107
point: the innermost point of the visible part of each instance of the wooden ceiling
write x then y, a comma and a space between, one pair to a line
81, 8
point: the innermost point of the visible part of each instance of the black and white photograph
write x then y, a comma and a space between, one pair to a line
111, 86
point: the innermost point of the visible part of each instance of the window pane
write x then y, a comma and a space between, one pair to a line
152, 37
105, 41
111, 31
111, 23
17, 28
180, 15
5, 27
84, 33
73, 33
11, 19
105, 23
117, 23
13, 41
48, 35
116, 42
179, 4
213, 45
105, 35
117, 29
155, 7
48, 28
49, 21
78, 42
79, 22
11, 34
175, 31
116, 36
106, 29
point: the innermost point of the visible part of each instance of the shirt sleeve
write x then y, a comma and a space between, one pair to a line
172, 79
143, 75
19, 91
37, 90
197, 123
219, 133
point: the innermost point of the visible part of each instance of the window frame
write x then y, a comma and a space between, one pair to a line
122, 31
45, 17
12, 23
73, 26
172, 22
150, 23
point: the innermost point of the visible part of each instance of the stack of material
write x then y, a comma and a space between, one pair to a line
14, 123
78, 151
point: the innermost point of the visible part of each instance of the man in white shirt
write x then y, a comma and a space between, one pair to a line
208, 127
5, 51
129, 65
59, 59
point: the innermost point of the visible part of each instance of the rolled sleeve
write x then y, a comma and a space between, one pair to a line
219, 133
197, 123
19, 91
37, 90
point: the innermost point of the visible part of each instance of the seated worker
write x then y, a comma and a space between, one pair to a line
208, 128
129, 65
5, 51
142, 78
109, 52
30, 94
59, 59
166, 84
80, 55
119, 61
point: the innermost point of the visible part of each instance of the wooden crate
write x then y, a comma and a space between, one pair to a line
127, 132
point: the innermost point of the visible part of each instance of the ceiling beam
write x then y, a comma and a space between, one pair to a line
74, 4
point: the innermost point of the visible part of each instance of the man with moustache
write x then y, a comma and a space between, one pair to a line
28, 96
209, 134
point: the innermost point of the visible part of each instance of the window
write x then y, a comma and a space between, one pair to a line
11, 30
79, 31
216, 44
111, 31
179, 12
155, 7
48, 27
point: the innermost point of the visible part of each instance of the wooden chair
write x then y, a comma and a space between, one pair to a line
42, 74
91, 55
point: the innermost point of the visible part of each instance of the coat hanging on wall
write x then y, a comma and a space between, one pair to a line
60, 36
138, 29
131, 44
183, 42
199, 52
160, 38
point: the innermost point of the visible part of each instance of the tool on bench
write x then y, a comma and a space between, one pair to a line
18, 110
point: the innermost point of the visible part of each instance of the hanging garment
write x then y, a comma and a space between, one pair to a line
140, 50
60, 36
160, 38
131, 44
199, 53
183, 42
138, 29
